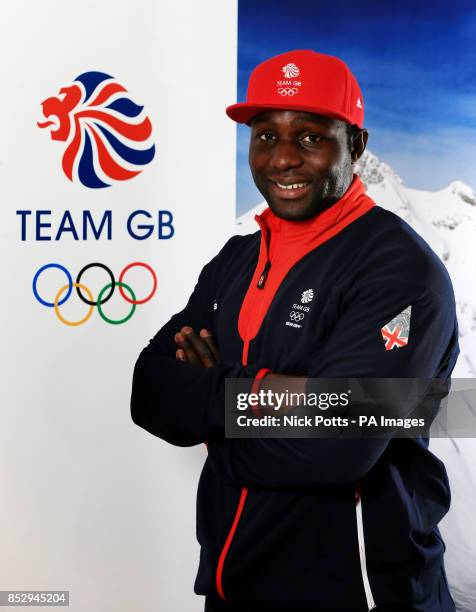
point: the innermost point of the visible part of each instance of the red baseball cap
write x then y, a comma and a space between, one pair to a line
302, 80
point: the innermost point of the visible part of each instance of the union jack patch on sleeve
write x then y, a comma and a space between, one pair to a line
395, 333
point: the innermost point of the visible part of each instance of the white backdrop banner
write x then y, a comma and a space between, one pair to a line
117, 164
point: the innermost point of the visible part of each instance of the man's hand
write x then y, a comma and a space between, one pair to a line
281, 384
199, 350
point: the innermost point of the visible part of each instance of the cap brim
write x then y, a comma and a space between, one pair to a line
244, 112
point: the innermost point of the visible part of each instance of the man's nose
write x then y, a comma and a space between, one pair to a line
286, 155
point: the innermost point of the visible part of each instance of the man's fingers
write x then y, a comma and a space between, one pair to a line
200, 347
190, 354
199, 350
209, 340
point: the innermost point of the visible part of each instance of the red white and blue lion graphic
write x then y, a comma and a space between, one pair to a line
108, 136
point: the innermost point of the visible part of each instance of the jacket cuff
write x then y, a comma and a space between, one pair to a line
255, 387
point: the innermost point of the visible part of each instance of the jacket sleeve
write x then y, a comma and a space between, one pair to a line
354, 348
181, 403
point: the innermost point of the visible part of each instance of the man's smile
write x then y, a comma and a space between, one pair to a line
291, 186
290, 191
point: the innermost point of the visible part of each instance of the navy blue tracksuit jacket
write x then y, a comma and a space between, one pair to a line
340, 525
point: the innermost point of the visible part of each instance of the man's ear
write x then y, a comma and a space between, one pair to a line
358, 145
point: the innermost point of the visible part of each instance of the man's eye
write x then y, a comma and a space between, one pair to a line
266, 136
311, 138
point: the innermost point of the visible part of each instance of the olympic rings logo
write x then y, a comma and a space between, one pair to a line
104, 295
287, 91
296, 316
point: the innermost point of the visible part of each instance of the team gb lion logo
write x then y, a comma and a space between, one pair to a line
108, 135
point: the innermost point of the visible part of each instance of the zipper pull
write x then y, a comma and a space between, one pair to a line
264, 275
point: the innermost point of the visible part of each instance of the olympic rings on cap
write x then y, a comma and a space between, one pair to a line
104, 295
287, 91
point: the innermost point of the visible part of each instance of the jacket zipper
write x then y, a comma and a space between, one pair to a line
264, 275
267, 266
261, 280
236, 520
360, 536
244, 491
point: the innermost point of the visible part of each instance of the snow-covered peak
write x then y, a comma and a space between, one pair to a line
464, 191
372, 171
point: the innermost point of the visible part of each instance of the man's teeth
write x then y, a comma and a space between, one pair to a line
294, 186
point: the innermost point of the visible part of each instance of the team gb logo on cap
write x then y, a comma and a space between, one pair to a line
289, 86
290, 71
108, 135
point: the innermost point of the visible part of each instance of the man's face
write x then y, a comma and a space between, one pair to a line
306, 151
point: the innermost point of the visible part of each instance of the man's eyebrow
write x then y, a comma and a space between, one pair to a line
261, 119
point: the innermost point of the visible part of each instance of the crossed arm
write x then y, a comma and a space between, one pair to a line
179, 381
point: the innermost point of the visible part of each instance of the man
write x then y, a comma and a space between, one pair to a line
343, 525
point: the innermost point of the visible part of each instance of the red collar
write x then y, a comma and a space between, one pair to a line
353, 203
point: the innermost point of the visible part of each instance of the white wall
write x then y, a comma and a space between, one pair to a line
90, 502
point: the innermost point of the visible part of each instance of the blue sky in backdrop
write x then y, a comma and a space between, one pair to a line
415, 62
